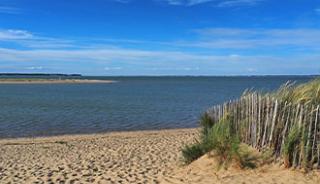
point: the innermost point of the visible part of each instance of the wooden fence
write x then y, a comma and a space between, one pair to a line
264, 122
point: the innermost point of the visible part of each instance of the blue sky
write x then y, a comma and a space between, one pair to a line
160, 37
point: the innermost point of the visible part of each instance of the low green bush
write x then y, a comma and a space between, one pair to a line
218, 138
192, 153
224, 142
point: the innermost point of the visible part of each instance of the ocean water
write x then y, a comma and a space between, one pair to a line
133, 103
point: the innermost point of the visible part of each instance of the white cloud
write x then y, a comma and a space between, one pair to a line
186, 2
251, 70
234, 56
112, 68
161, 62
189, 68
209, 38
128, 55
14, 34
9, 10
255, 38
34, 68
195, 2
100, 55
30, 40
233, 38
232, 3
218, 3
122, 1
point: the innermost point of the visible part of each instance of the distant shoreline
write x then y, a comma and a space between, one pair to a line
53, 81
41, 74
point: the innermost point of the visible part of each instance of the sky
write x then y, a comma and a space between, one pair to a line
160, 37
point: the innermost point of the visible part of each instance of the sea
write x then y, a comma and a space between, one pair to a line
132, 103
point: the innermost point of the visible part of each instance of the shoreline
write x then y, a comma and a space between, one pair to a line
53, 81
80, 136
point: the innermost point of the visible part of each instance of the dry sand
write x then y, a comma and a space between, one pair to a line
127, 157
204, 171
53, 81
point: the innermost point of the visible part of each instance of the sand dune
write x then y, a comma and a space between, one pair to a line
127, 157
204, 171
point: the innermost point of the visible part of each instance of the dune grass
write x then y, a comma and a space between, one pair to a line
307, 93
223, 140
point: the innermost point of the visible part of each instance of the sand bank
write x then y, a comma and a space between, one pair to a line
126, 157
53, 81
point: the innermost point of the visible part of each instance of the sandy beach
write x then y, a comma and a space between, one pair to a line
53, 81
128, 157
124, 157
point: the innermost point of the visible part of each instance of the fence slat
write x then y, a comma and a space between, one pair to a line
264, 122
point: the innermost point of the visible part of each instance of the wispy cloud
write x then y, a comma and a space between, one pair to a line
99, 55
232, 3
209, 38
113, 56
31, 40
161, 61
122, 1
9, 10
34, 68
13, 34
112, 68
317, 10
255, 38
185, 2
217, 3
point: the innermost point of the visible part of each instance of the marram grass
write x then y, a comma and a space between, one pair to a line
307, 93
285, 122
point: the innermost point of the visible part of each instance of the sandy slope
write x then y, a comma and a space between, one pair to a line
204, 171
127, 157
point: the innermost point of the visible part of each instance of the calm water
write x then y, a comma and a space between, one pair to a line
134, 103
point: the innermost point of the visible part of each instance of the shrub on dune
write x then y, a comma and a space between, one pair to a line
284, 122
224, 142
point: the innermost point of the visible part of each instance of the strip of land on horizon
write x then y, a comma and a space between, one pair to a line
51, 81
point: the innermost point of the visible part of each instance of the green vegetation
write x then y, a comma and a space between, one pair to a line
193, 152
307, 93
282, 124
290, 145
222, 142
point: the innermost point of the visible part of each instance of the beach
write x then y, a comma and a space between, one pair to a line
127, 157
124, 157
